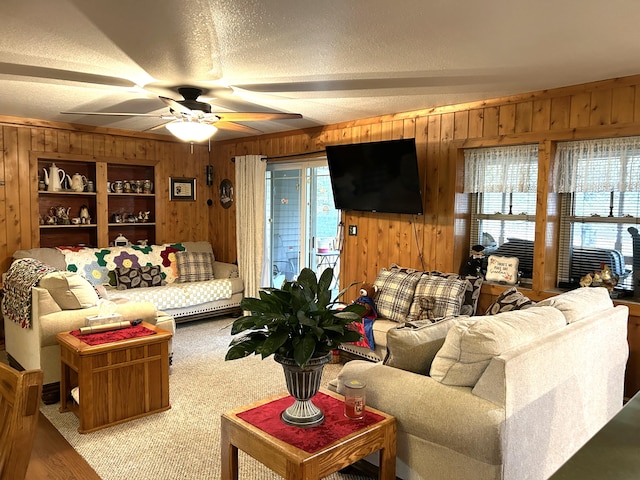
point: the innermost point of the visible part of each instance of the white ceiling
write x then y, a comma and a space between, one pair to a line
331, 60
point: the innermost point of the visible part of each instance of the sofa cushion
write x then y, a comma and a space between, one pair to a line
194, 266
572, 304
447, 293
471, 344
70, 290
510, 299
413, 346
395, 293
148, 276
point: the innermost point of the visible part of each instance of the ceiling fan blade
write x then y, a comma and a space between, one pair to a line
254, 116
367, 83
55, 74
119, 114
236, 127
176, 106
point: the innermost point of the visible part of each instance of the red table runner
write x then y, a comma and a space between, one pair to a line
335, 426
113, 335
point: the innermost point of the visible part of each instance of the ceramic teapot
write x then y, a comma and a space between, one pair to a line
54, 178
78, 182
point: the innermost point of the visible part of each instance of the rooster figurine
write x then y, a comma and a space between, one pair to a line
609, 281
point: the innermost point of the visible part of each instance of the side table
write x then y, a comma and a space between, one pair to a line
117, 381
293, 463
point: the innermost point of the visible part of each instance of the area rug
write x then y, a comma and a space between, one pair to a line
184, 441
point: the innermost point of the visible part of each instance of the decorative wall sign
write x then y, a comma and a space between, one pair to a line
502, 269
226, 193
182, 188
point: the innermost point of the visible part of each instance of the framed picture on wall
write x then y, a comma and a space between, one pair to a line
182, 188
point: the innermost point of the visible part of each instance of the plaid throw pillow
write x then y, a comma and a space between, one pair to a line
472, 293
148, 276
395, 293
194, 266
447, 294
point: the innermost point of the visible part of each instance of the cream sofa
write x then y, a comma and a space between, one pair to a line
68, 307
37, 347
183, 301
510, 396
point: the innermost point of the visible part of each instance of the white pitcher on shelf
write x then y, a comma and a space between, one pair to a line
77, 182
54, 178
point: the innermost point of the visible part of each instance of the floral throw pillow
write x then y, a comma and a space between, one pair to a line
140, 277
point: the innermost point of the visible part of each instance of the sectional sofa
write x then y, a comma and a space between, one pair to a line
509, 396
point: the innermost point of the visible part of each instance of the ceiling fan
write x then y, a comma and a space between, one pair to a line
193, 121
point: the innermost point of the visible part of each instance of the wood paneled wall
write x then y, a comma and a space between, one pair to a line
439, 238
19, 138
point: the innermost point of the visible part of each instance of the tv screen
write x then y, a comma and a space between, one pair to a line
376, 176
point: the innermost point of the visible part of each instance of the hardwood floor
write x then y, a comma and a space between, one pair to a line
52, 458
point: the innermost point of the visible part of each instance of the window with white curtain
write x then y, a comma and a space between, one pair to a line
502, 182
599, 183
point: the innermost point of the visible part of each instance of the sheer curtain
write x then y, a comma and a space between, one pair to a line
604, 165
250, 185
501, 169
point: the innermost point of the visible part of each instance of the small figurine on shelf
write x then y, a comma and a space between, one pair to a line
121, 241
473, 266
85, 218
144, 216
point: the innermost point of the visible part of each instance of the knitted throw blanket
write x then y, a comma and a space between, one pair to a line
23, 275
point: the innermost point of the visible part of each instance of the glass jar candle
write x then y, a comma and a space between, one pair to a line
354, 399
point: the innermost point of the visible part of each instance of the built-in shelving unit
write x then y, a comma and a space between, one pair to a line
111, 213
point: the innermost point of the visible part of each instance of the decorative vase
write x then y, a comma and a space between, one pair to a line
302, 384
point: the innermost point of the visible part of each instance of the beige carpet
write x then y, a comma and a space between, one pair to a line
183, 442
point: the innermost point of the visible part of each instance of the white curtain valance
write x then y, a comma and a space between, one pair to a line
501, 169
604, 165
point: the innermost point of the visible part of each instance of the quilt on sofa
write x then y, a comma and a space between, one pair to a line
95, 264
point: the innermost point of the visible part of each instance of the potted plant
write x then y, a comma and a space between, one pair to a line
299, 324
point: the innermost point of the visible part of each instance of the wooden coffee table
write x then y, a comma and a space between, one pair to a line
117, 381
291, 462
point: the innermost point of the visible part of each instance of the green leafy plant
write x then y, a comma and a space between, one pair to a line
298, 321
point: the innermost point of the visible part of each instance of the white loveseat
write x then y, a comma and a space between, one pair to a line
509, 396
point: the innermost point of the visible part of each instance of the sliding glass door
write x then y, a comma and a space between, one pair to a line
301, 221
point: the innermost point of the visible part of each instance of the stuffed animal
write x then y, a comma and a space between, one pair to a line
474, 263
368, 292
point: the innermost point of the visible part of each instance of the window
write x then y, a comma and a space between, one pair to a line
599, 183
503, 181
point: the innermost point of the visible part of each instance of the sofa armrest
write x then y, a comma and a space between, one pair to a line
225, 270
441, 414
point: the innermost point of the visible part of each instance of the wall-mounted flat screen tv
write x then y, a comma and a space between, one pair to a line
376, 176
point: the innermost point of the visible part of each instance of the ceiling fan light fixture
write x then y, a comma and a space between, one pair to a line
191, 131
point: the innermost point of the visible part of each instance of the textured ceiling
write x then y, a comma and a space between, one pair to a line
331, 60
